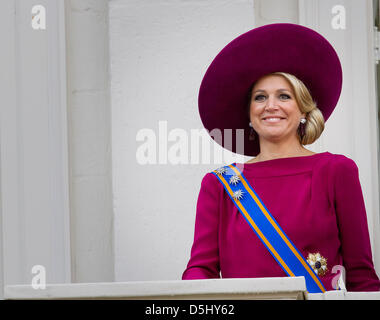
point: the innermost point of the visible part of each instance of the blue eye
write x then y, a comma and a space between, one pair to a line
258, 97
284, 95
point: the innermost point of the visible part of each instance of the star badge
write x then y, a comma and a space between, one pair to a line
234, 180
238, 194
318, 263
221, 171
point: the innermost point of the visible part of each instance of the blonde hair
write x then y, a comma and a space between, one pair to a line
315, 122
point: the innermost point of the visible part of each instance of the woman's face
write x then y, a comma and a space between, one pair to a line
274, 112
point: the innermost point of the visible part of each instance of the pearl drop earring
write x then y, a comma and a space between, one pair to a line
302, 127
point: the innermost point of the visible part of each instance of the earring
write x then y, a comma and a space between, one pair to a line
302, 127
251, 133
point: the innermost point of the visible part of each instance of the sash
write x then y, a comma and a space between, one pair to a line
266, 228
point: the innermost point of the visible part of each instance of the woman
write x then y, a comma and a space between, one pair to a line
290, 78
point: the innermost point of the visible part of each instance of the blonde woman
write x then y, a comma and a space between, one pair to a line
288, 211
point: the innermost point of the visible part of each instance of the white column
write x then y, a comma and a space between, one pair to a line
89, 114
34, 153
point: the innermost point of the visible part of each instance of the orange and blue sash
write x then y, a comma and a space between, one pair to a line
266, 228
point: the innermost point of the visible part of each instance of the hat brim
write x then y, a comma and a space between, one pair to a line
281, 47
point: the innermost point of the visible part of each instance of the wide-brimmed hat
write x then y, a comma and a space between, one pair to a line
280, 47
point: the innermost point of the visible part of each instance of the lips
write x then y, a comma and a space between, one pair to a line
271, 117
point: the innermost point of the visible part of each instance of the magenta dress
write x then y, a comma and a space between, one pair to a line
318, 202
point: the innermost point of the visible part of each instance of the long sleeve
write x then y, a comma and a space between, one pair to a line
204, 259
353, 228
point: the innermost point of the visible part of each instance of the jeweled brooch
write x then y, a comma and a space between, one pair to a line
318, 263
234, 180
238, 194
221, 171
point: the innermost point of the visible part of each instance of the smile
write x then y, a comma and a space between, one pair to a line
273, 120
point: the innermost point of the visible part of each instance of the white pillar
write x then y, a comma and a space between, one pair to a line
90, 141
34, 167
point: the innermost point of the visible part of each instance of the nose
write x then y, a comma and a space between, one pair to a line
271, 103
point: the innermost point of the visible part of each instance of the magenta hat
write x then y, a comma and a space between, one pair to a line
280, 47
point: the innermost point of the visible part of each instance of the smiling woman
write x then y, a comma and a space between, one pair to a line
289, 211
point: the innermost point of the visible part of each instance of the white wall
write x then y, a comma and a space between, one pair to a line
159, 51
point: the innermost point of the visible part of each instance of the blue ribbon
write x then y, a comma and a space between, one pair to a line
266, 228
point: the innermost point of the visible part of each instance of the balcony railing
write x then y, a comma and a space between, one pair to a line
223, 289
